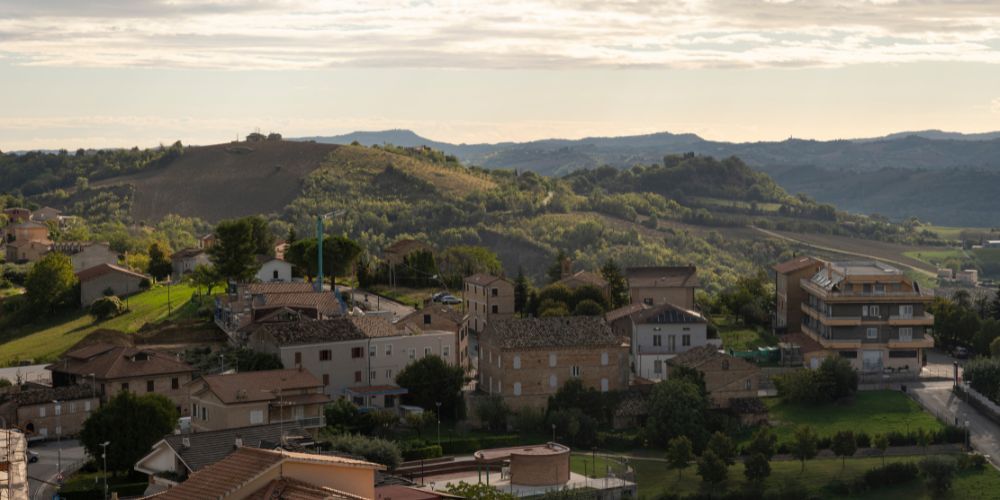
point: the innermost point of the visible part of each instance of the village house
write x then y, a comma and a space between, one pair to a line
273, 270
441, 318
663, 285
663, 332
109, 279
526, 360
726, 378
230, 400
46, 214
788, 293
579, 279
487, 298
184, 261
357, 357
280, 249
17, 215
114, 368
253, 303
48, 412
206, 241
86, 254
22, 251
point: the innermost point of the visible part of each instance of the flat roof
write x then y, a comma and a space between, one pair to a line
865, 268
495, 454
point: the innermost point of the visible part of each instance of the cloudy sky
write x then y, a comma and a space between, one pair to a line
107, 73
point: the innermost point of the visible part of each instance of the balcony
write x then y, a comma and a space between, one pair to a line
911, 343
304, 422
831, 343
926, 319
831, 320
879, 296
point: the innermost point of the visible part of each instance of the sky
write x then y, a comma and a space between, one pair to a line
121, 73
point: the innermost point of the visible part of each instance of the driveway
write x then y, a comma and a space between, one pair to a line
937, 398
46, 468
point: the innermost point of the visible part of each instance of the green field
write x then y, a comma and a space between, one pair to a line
989, 262
937, 257
871, 412
740, 338
654, 478
744, 205
47, 338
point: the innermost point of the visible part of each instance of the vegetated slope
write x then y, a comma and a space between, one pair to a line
225, 180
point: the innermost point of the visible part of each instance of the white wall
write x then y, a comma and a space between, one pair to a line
266, 274
643, 338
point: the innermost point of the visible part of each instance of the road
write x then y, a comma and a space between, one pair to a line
939, 400
46, 466
376, 303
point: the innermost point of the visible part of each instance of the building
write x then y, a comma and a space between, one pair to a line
621, 320
572, 280
441, 318
788, 293
534, 465
114, 368
526, 360
726, 378
176, 456
357, 357
28, 231
869, 313
109, 279
991, 244
663, 285
207, 241
49, 412
945, 273
184, 261
231, 400
969, 277
14, 474
253, 303
487, 298
253, 473
46, 214
281, 248
273, 270
86, 254
660, 333
17, 215
21, 251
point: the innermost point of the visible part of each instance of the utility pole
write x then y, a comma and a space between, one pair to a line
104, 455
58, 410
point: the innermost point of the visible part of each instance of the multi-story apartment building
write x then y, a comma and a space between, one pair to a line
788, 293
663, 285
487, 298
869, 313
232, 400
526, 360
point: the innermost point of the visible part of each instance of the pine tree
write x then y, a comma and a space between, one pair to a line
520, 291
617, 284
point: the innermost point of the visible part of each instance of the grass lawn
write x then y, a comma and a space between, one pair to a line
47, 338
740, 338
410, 296
79, 485
872, 412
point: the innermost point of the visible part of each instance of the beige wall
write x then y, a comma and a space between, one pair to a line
354, 480
727, 378
162, 384
480, 302
73, 414
121, 284
678, 296
93, 255
219, 415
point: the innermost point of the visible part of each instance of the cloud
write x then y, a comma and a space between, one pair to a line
297, 34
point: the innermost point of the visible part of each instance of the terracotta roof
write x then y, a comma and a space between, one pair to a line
584, 278
483, 279
258, 386
48, 394
207, 448
118, 362
621, 312
569, 331
374, 326
187, 253
105, 268
291, 489
337, 329
279, 288
695, 357
438, 312
662, 276
666, 314
796, 264
324, 302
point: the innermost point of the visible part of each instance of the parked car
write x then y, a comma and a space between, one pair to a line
960, 353
450, 299
437, 296
32, 456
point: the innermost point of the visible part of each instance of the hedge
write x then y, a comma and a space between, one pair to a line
473, 444
423, 452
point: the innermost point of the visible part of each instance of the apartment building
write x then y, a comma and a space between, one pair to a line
869, 313
663, 285
487, 298
526, 360
788, 293
230, 400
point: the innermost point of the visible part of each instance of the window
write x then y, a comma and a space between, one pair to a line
604, 359
574, 371
494, 292
72, 407
657, 367
849, 354
298, 358
58, 409
648, 301
356, 352
357, 376
553, 382
257, 416
413, 353
175, 383
552, 359
204, 413
388, 374
657, 340
906, 334
517, 361
371, 376
44, 431
517, 388
499, 364
372, 348
388, 349
499, 386
427, 319
325, 355
124, 386
906, 311
427, 352
872, 333
149, 386
748, 384
870, 311
275, 275
41, 411
604, 385
495, 309
86, 406
390, 401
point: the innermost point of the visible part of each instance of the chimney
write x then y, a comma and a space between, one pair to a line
239, 441
185, 442
566, 267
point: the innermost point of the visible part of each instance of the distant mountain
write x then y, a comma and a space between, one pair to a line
940, 135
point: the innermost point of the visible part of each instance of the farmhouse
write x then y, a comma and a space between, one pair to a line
108, 279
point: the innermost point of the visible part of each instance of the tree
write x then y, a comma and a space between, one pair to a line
339, 256
923, 439
51, 282
844, 445
679, 454
520, 291
588, 308
711, 468
756, 468
837, 378
676, 408
419, 421
995, 305
723, 447
555, 270
995, 348
460, 261
939, 472
235, 250
804, 444
493, 412
429, 381
477, 491
988, 332
159, 264
881, 443
204, 276
132, 424
617, 284
763, 442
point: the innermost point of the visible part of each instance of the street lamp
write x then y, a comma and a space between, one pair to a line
553, 433
58, 409
438, 403
104, 455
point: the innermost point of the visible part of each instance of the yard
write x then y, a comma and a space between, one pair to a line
741, 338
47, 338
410, 296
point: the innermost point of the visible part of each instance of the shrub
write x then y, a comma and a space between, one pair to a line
493, 413
107, 307
529, 420
971, 461
372, 449
422, 452
983, 375
891, 474
863, 440
949, 435
471, 444
939, 472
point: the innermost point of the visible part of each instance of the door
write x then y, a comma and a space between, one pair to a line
871, 361
671, 343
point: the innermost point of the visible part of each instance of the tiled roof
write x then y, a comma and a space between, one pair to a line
279, 288
483, 279
795, 264
621, 312
695, 357
438, 312
324, 302
662, 276
105, 268
206, 448
291, 489
584, 278
225, 476
49, 394
336, 329
117, 362
569, 331
258, 386
667, 314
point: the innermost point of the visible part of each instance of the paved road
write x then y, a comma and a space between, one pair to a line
377, 303
46, 466
938, 399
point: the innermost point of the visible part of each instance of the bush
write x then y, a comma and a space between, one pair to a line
472, 444
971, 461
890, 475
107, 307
939, 471
983, 375
372, 449
423, 452
863, 440
529, 420
493, 413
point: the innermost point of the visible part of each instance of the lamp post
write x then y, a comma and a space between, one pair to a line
58, 410
438, 404
553, 433
968, 437
104, 455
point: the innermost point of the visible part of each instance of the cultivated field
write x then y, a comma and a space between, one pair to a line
891, 253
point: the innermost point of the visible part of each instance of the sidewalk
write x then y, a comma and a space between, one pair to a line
938, 398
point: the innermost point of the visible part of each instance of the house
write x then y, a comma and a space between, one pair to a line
273, 269
231, 400
788, 293
48, 412
526, 360
621, 320
109, 279
28, 231
869, 313
114, 368
86, 254
572, 280
206, 241
660, 333
17, 215
487, 298
969, 277
184, 261
176, 456
441, 317
663, 285
726, 378
396, 252
253, 473
46, 214
357, 357
991, 244
281, 248
253, 303
27, 250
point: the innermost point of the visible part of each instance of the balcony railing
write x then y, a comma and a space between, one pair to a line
304, 422
808, 284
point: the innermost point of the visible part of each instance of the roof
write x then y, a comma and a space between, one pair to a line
292, 489
403, 492
483, 279
324, 302
806, 343
621, 312
279, 288
376, 390
187, 253
206, 448
569, 331
584, 278
865, 268
258, 386
110, 362
105, 268
48, 394
440, 313
29, 223
662, 276
796, 264
546, 449
698, 356
30, 243
666, 314
264, 259
336, 329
